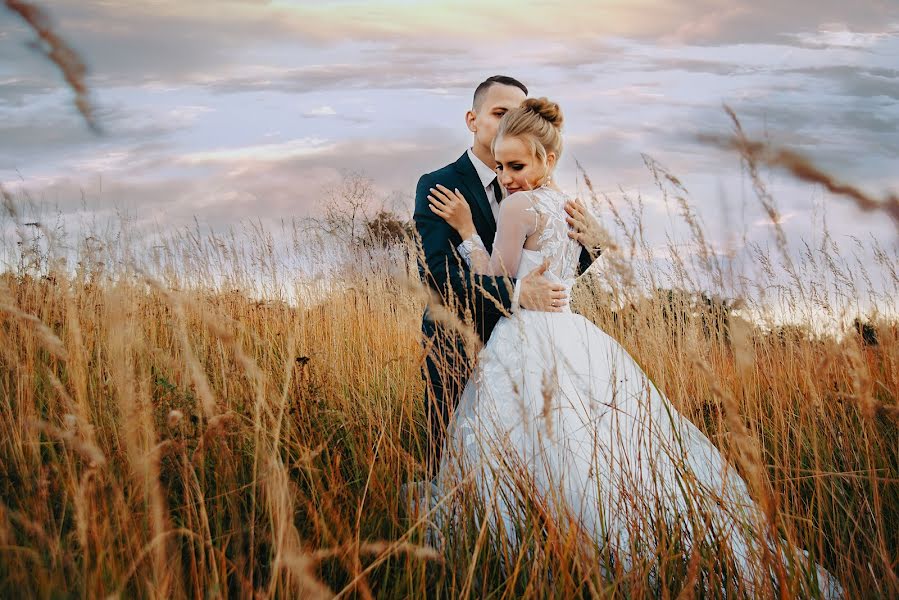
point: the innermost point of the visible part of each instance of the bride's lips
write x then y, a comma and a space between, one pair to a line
512, 190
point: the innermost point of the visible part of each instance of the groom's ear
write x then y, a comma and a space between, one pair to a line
470, 118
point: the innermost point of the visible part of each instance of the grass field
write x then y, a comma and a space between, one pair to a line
166, 433
186, 417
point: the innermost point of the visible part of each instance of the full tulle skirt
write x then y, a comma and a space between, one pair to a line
557, 413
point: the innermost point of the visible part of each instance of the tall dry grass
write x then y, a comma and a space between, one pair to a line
169, 433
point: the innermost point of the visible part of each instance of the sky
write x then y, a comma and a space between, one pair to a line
227, 110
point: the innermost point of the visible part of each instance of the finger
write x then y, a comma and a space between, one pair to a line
578, 207
459, 195
448, 193
440, 194
438, 203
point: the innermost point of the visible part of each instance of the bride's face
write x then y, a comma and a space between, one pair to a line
517, 166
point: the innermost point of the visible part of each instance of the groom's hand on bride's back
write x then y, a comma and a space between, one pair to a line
539, 293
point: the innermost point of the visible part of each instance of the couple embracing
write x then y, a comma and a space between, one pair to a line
552, 409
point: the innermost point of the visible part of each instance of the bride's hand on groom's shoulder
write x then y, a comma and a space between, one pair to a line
452, 207
585, 227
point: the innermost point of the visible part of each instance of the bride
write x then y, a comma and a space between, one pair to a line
557, 410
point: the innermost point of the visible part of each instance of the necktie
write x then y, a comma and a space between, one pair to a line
497, 190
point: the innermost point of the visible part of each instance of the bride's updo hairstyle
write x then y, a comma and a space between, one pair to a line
537, 122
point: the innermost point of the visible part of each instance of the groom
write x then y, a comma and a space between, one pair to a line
482, 298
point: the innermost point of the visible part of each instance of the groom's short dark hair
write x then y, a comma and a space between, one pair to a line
485, 85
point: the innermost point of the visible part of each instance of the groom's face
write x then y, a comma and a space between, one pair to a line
483, 120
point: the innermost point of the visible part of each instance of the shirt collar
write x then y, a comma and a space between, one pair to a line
485, 173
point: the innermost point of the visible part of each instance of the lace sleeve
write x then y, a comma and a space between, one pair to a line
474, 253
516, 222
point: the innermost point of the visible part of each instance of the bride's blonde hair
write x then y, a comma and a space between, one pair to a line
537, 122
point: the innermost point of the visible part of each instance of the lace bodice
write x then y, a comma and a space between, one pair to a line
523, 216
548, 211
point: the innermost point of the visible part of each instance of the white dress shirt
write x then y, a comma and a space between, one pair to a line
487, 175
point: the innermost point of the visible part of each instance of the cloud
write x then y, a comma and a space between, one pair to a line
840, 38
223, 186
240, 155
697, 22
781, 219
15, 92
188, 88
378, 72
127, 43
47, 133
131, 43
855, 81
321, 111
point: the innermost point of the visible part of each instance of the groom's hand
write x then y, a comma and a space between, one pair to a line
538, 293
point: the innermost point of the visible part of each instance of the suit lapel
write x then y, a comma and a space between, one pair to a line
478, 199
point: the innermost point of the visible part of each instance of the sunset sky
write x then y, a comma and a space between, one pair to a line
226, 110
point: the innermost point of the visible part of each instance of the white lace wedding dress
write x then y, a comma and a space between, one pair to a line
558, 411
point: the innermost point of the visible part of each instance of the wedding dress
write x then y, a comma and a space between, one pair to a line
557, 410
